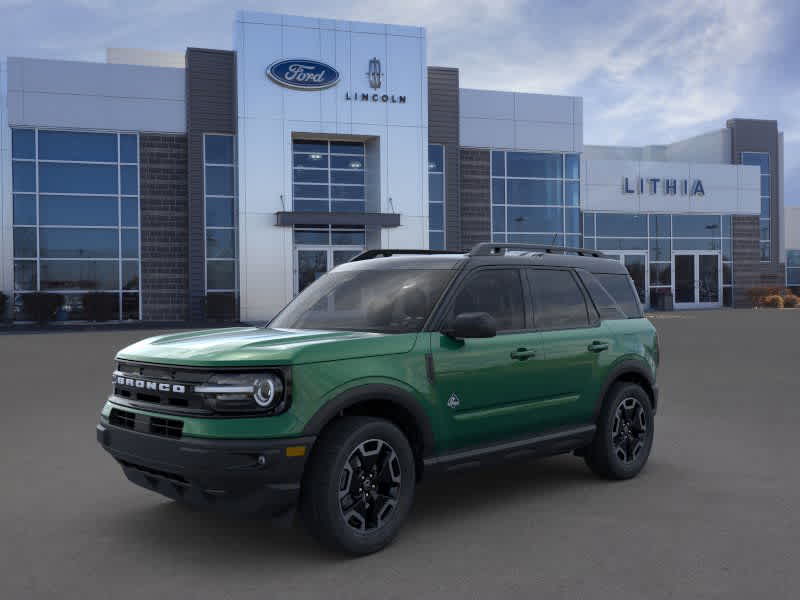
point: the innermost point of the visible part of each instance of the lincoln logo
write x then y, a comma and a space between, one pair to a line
152, 386
301, 74
374, 74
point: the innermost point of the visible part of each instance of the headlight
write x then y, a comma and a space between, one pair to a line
244, 392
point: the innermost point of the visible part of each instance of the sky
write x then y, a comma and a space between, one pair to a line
650, 72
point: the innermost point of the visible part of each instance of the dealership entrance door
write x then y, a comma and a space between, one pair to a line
311, 263
636, 263
697, 279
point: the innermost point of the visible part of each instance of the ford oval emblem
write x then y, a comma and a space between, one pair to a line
303, 74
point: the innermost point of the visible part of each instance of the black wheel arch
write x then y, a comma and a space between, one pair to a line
633, 371
384, 401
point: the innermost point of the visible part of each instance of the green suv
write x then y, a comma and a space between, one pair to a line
390, 368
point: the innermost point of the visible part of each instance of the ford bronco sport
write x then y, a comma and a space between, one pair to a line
389, 368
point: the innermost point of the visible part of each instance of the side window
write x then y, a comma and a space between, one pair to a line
494, 291
621, 288
606, 305
558, 302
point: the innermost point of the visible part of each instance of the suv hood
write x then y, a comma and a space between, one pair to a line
256, 346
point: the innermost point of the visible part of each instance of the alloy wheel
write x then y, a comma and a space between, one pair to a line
629, 430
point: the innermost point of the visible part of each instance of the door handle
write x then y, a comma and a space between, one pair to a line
597, 346
522, 354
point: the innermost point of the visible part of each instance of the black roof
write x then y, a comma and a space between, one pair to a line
489, 254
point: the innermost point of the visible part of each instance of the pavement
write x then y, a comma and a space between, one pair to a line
713, 515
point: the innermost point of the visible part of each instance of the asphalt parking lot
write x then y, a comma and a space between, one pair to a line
714, 515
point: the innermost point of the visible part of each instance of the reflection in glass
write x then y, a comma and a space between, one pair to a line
77, 210
66, 178
56, 242
221, 275
80, 275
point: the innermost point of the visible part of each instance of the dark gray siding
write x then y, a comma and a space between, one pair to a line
443, 129
476, 218
754, 135
164, 226
210, 108
746, 253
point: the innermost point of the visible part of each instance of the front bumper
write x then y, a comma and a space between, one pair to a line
240, 476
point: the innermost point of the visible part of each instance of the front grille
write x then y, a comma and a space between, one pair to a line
122, 418
184, 401
166, 427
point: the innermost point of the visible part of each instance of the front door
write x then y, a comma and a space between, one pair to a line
311, 263
636, 263
697, 279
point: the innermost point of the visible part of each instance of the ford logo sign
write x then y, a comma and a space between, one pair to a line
303, 74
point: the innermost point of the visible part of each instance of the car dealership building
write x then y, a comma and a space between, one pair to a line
220, 183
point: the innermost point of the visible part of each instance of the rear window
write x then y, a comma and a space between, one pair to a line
606, 305
621, 289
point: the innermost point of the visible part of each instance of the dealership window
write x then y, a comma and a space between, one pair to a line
436, 197
646, 243
328, 176
535, 198
320, 248
76, 221
761, 160
793, 270
219, 157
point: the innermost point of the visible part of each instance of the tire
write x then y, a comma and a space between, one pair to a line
348, 503
624, 435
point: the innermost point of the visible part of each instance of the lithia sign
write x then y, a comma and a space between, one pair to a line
667, 186
306, 74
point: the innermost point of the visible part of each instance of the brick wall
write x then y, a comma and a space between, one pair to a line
165, 232
476, 217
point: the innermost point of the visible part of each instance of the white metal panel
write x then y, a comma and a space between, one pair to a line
486, 104
546, 136
261, 159
486, 133
259, 96
404, 149
543, 107
405, 77
364, 47
301, 105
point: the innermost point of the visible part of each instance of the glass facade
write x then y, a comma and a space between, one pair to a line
793, 269
761, 160
658, 236
76, 219
535, 198
436, 197
328, 176
219, 158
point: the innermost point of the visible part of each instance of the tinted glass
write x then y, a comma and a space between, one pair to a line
130, 307
219, 212
498, 164
357, 177
573, 166
347, 148
435, 158
130, 243
436, 240
24, 209
793, 258
572, 193
78, 243
220, 243
494, 291
558, 302
390, 301
347, 192
696, 225
524, 219
130, 275
311, 175
219, 149
348, 238
572, 220
77, 179
73, 145
25, 242
588, 224
436, 187
23, 176
621, 289
531, 191
317, 161
550, 239
727, 226
661, 274
759, 159
310, 146
344, 162
25, 275
436, 216
311, 237
221, 274
219, 181
128, 149
129, 184
605, 304
624, 225
660, 226
621, 244
311, 205
660, 249
530, 164
695, 244
77, 210
130, 212
310, 191
347, 206
79, 275
23, 143
498, 191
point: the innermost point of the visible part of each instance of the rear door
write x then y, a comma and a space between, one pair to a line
574, 344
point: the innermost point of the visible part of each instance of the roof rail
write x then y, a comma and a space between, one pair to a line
376, 252
490, 248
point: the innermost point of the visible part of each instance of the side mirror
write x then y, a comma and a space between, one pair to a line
472, 325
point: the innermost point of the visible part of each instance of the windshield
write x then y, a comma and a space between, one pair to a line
389, 301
